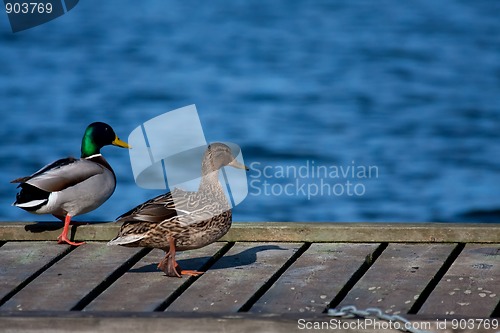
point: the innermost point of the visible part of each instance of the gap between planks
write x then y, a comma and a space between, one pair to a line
36, 274
358, 274
265, 287
435, 280
192, 279
115, 275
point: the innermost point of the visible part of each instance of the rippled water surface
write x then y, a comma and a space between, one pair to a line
409, 90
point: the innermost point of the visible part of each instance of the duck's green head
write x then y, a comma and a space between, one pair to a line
98, 135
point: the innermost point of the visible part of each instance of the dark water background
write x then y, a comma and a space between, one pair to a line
410, 87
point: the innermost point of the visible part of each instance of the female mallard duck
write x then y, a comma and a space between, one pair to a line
182, 220
70, 186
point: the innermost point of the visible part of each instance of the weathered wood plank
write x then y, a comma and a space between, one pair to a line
65, 283
287, 232
46, 231
471, 286
234, 278
314, 279
144, 287
20, 260
394, 282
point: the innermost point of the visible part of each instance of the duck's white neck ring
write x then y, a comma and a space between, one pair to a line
92, 156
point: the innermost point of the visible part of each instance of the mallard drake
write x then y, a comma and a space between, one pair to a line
70, 186
182, 220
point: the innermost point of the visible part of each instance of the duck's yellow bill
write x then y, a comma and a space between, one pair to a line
120, 143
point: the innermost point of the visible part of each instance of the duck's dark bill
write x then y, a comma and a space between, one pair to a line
120, 143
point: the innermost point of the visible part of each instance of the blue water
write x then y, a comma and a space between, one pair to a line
411, 88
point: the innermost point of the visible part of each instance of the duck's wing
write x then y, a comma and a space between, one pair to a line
137, 222
62, 174
154, 210
53, 165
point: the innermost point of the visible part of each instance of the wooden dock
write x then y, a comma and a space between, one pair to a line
265, 277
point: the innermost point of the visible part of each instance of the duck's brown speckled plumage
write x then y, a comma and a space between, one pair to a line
156, 219
182, 220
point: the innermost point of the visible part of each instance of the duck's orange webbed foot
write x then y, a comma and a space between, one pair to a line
191, 273
63, 239
187, 272
176, 270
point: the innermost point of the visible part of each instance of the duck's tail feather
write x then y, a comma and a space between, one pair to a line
34, 204
31, 198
